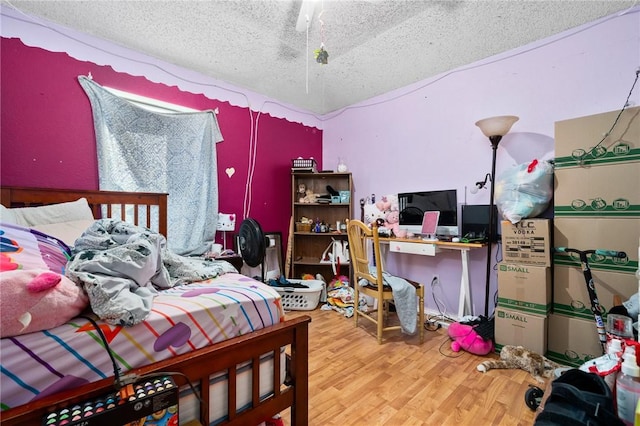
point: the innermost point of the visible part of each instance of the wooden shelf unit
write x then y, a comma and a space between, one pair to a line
308, 247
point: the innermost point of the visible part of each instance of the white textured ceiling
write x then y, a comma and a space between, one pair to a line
374, 46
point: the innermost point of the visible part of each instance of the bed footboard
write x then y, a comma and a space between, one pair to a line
198, 366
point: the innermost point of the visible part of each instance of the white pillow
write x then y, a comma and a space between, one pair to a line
68, 232
53, 213
7, 216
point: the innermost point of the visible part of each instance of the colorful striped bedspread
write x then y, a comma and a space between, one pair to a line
182, 320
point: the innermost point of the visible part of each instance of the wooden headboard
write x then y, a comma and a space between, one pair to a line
27, 197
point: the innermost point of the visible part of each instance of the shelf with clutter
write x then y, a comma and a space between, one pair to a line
321, 205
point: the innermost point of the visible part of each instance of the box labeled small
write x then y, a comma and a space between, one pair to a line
520, 329
525, 288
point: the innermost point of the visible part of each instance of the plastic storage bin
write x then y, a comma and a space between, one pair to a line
301, 299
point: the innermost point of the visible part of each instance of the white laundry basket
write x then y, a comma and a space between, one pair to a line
301, 299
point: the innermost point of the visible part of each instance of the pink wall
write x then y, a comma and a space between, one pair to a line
47, 137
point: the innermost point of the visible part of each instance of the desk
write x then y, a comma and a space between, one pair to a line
431, 248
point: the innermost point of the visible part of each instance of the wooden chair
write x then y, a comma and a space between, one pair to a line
361, 238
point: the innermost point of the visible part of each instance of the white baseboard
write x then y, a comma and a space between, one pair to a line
428, 313
435, 315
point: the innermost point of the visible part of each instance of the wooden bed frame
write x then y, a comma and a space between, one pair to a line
26, 197
199, 365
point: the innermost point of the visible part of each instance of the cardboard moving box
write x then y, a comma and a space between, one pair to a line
619, 234
527, 242
578, 140
571, 297
525, 288
572, 341
519, 328
603, 191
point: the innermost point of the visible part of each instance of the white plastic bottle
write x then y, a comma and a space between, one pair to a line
628, 386
614, 355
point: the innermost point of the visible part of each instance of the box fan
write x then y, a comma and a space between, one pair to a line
252, 244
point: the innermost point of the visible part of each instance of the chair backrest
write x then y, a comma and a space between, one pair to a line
359, 237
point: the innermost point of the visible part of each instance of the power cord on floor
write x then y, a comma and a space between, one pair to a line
431, 324
434, 322
448, 355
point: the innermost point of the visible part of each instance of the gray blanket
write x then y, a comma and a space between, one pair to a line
404, 298
121, 267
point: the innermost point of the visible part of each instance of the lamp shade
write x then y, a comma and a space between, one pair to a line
497, 126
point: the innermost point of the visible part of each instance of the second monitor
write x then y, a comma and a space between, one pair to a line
475, 222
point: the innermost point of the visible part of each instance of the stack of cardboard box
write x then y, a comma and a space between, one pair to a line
524, 285
596, 206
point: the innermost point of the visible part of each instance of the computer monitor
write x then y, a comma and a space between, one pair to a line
475, 222
412, 206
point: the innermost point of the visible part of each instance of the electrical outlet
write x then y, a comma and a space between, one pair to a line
435, 280
226, 222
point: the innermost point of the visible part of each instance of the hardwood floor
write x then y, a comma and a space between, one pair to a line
355, 381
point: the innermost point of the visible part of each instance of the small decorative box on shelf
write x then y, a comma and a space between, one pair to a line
304, 165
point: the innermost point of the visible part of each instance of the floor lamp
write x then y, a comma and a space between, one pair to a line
494, 128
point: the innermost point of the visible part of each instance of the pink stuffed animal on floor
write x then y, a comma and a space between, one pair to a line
465, 337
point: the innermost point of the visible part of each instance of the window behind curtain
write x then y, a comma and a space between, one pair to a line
146, 151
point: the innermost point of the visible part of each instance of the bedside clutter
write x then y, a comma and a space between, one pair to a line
524, 285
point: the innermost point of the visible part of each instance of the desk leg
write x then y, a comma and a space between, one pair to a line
464, 301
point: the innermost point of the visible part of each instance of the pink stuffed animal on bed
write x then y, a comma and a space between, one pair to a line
465, 337
33, 300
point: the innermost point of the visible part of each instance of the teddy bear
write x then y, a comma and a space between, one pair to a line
392, 222
309, 197
465, 337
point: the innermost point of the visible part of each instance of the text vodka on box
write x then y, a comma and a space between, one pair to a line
527, 242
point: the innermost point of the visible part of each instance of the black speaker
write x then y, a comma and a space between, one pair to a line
475, 222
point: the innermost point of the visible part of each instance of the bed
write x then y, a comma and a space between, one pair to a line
244, 372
